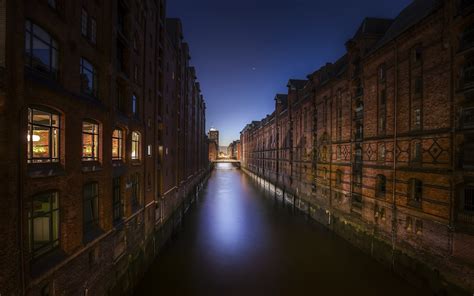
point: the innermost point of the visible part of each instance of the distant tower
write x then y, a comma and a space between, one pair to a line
214, 135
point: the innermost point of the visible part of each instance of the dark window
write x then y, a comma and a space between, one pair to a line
117, 199
338, 178
84, 22
52, 4
382, 73
93, 33
120, 99
417, 55
469, 72
418, 88
44, 223
90, 141
117, 144
415, 188
381, 186
135, 196
358, 154
89, 84
468, 117
416, 151
469, 198
416, 118
468, 37
383, 97
134, 105
91, 206
41, 50
43, 136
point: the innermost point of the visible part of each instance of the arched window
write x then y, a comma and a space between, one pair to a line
44, 223
415, 191
381, 186
117, 144
43, 135
90, 141
136, 139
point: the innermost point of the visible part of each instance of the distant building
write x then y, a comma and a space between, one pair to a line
213, 150
214, 136
233, 150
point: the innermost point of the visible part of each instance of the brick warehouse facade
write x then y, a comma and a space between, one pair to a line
102, 139
378, 145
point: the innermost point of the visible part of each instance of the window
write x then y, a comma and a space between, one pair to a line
149, 150
134, 105
91, 206
117, 144
415, 190
417, 55
52, 4
469, 72
120, 99
381, 186
358, 154
382, 73
93, 36
382, 152
418, 89
90, 141
41, 50
383, 98
135, 73
44, 223
338, 178
468, 37
416, 151
135, 196
117, 199
43, 136
469, 199
84, 22
135, 146
89, 84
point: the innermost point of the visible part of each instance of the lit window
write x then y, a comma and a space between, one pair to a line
89, 83
90, 141
149, 149
117, 144
84, 22
44, 223
135, 146
43, 136
117, 199
41, 50
91, 206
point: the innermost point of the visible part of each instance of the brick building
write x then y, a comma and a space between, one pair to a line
233, 150
102, 132
378, 145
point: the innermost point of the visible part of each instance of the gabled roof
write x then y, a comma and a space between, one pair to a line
373, 26
297, 83
411, 15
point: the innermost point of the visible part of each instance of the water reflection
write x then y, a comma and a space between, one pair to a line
237, 241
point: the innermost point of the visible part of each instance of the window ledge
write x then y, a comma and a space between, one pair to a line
91, 166
45, 170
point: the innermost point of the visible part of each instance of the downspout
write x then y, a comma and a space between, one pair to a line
394, 206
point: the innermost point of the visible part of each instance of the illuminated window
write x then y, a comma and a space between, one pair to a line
43, 136
134, 105
41, 50
135, 146
44, 223
117, 144
90, 141
91, 206
89, 78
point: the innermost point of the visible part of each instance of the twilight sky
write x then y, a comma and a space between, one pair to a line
245, 51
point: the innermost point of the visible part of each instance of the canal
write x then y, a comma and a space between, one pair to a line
236, 240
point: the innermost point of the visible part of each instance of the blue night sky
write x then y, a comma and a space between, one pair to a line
245, 51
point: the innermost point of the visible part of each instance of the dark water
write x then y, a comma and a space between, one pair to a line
237, 241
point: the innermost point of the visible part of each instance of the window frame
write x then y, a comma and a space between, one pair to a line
136, 143
89, 226
95, 77
53, 243
120, 144
95, 141
51, 128
51, 44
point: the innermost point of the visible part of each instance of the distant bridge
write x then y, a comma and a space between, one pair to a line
226, 160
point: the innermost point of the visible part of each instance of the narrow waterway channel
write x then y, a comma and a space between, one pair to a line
237, 240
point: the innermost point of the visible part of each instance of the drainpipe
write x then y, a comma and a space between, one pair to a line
394, 206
